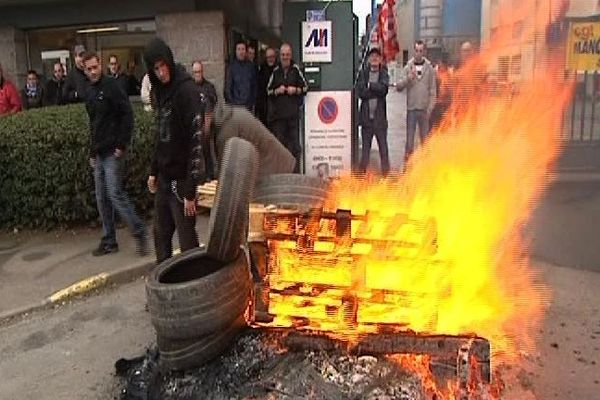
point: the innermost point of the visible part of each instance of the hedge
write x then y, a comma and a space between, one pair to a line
45, 177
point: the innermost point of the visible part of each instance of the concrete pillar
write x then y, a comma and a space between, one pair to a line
197, 35
13, 53
276, 16
431, 22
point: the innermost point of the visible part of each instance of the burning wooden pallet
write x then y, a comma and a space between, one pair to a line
365, 283
206, 194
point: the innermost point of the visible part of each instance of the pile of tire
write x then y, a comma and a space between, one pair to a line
198, 299
291, 190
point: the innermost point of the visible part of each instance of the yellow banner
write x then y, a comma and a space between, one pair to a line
583, 46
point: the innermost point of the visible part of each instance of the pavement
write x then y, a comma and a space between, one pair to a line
41, 269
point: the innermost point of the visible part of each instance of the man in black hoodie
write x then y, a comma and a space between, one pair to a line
264, 74
177, 165
111, 123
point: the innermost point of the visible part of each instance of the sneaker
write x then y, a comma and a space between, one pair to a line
142, 245
104, 249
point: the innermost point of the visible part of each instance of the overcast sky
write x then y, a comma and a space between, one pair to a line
362, 8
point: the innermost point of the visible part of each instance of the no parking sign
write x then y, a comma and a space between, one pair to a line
328, 129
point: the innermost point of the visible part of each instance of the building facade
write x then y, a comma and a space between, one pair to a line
34, 34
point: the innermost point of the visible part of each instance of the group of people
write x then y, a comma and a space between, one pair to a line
428, 97
61, 88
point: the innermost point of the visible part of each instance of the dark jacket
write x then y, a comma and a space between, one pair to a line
111, 117
179, 113
264, 74
209, 94
122, 81
284, 106
240, 84
36, 101
54, 92
377, 90
76, 86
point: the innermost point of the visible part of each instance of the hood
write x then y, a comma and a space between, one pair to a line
223, 112
157, 50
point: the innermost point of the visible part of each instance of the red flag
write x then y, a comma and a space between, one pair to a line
387, 31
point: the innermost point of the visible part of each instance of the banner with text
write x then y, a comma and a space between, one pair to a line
583, 48
328, 133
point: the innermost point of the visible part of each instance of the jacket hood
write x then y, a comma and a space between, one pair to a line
158, 50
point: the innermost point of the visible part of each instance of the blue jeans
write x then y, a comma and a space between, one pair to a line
111, 196
414, 117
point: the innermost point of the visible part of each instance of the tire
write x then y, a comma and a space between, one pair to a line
228, 221
191, 353
281, 189
192, 295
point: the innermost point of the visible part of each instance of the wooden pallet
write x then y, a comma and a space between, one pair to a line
206, 194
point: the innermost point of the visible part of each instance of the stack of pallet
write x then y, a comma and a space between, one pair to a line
206, 194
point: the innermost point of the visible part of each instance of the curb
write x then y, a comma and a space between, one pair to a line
80, 288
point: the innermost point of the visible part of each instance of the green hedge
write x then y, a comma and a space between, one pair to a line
45, 178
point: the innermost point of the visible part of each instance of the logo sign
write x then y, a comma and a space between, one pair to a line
316, 40
327, 110
583, 46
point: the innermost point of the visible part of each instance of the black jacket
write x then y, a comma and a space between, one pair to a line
283, 106
179, 114
76, 86
264, 74
123, 82
54, 92
240, 84
377, 90
111, 117
36, 101
209, 94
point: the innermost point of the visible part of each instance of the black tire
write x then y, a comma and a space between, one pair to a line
192, 295
191, 353
228, 221
282, 189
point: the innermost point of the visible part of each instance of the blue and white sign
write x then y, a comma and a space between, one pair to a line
316, 41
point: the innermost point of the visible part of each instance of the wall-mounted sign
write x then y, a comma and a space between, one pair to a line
316, 41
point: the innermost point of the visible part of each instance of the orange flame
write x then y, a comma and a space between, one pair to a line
440, 248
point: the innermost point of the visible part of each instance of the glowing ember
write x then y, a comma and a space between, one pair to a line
440, 248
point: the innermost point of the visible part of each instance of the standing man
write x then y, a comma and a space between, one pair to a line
209, 97
114, 71
266, 69
240, 83
32, 95
372, 88
177, 165
111, 123
76, 85
286, 89
55, 86
420, 82
10, 102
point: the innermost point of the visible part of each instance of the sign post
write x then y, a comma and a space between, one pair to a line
317, 42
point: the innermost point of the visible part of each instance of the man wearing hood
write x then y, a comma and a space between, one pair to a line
76, 85
286, 89
177, 165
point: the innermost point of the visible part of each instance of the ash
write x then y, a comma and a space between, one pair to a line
257, 368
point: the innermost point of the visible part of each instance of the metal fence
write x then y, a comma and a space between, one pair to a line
581, 122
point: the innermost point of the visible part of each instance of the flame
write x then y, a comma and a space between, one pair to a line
439, 249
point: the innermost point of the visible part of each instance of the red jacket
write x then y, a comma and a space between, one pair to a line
10, 101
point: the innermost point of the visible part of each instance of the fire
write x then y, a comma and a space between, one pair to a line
439, 249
